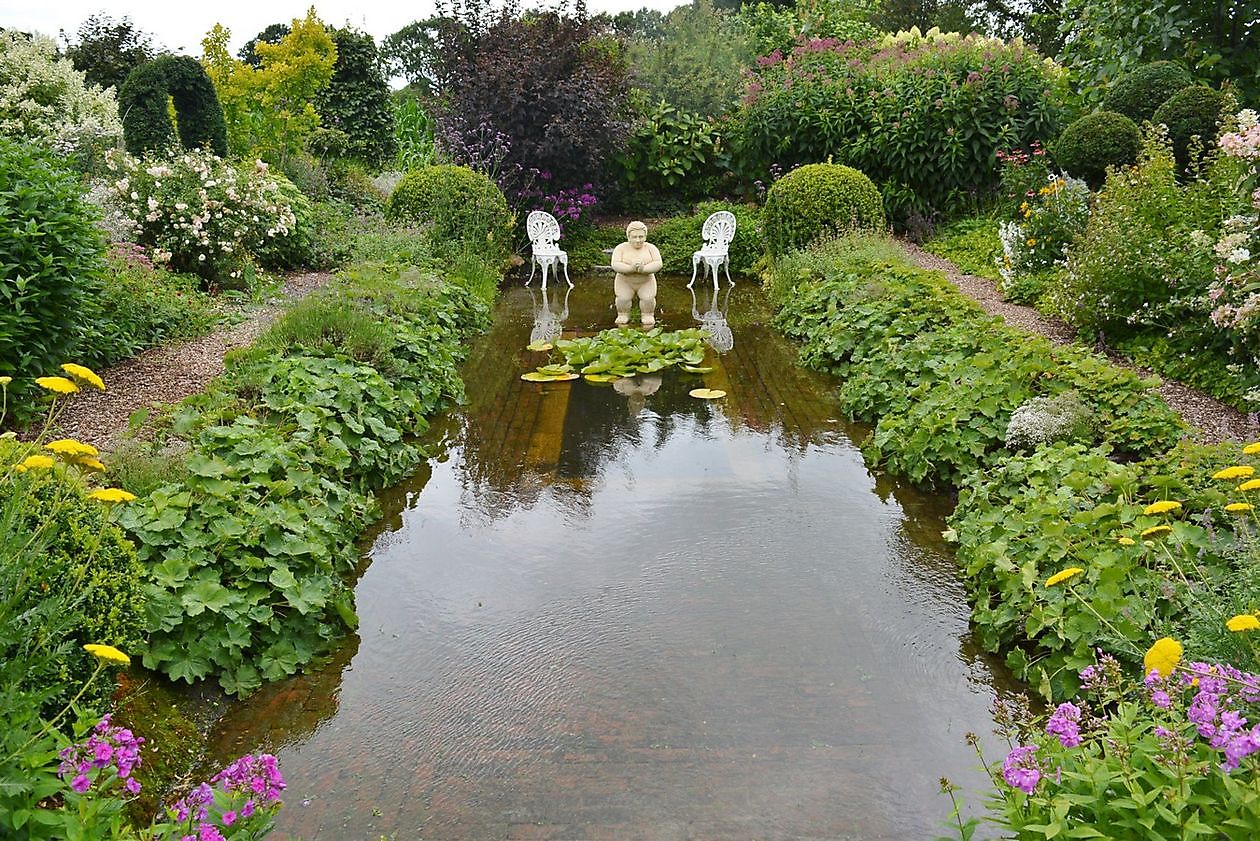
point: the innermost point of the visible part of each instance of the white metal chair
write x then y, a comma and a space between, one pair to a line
718, 231
544, 233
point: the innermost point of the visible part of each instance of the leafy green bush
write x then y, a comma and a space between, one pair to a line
1138, 93
357, 101
461, 205
1192, 112
680, 237
143, 102
1034, 244
138, 307
1097, 141
923, 116
50, 264
670, 152
818, 200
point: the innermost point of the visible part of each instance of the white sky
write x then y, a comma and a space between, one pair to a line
180, 28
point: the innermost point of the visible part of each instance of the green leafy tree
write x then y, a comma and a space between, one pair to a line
1103, 39
273, 34
270, 110
107, 50
411, 52
356, 101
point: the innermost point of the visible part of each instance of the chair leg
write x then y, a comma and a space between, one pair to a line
545, 265
716, 281
533, 264
695, 265
564, 261
726, 265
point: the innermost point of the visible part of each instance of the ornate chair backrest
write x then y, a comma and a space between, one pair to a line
719, 229
542, 228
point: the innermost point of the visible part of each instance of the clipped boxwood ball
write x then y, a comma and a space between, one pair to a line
1136, 95
1191, 112
816, 200
1096, 141
459, 203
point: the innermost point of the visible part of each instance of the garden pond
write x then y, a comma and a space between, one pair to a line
617, 611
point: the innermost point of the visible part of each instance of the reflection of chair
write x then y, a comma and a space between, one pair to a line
718, 231
544, 233
717, 333
547, 325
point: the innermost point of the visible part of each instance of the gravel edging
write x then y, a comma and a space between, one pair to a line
170, 373
1213, 422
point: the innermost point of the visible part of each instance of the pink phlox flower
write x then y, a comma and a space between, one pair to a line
1020, 769
81, 783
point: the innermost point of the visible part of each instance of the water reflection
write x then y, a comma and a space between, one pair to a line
594, 618
548, 325
713, 320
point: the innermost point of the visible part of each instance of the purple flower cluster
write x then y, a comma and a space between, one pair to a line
1020, 769
135, 256
1066, 724
257, 779
109, 748
572, 203
1221, 691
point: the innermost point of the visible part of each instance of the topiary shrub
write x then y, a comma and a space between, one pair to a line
1192, 112
1136, 95
146, 118
816, 200
1096, 141
50, 265
462, 206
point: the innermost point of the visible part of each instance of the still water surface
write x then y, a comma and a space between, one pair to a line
624, 613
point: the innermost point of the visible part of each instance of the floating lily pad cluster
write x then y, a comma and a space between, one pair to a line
624, 352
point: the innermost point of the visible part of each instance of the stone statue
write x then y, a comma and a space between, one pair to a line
636, 262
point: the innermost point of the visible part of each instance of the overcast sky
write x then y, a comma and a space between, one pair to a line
180, 27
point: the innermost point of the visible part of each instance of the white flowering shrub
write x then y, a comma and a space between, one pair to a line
1235, 291
1063, 417
198, 213
44, 99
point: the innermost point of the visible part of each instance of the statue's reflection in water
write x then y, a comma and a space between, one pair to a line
718, 333
548, 325
637, 390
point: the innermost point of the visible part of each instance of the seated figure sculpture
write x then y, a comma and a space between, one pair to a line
636, 262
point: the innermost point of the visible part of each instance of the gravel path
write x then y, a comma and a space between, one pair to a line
1213, 421
170, 373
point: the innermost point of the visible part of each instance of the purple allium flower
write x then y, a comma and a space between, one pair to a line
229, 817
1020, 770
1160, 699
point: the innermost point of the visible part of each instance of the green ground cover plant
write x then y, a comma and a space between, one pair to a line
971, 244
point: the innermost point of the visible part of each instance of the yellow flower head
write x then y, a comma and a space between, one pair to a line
1162, 507
1032, 240
1243, 622
36, 462
1238, 471
1252, 449
1125, 541
57, 385
1163, 656
71, 448
111, 495
1238, 507
90, 463
107, 654
82, 372
5, 380
1250, 485
1063, 575
1157, 531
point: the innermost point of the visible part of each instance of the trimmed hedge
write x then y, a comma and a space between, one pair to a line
1096, 141
1139, 93
146, 119
460, 204
1195, 111
818, 200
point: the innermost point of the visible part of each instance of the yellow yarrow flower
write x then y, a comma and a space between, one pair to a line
1157, 531
57, 385
1063, 575
1162, 507
1250, 485
82, 372
1163, 656
1125, 541
1238, 507
1252, 449
1238, 471
107, 653
71, 448
90, 463
36, 462
1243, 622
111, 495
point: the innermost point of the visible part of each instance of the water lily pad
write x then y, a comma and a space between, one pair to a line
540, 377
707, 393
553, 370
696, 369
601, 378
539, 346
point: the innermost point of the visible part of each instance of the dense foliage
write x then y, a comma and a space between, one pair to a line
1096, 141
461, 205
1193, 115
1139, 92
356, 100
106, 50
44, 99
50, 263
819, 200
922, 115
145, 100
669, 153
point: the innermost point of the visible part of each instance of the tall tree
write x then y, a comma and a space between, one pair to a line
356, 101
106, 50
273, 34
